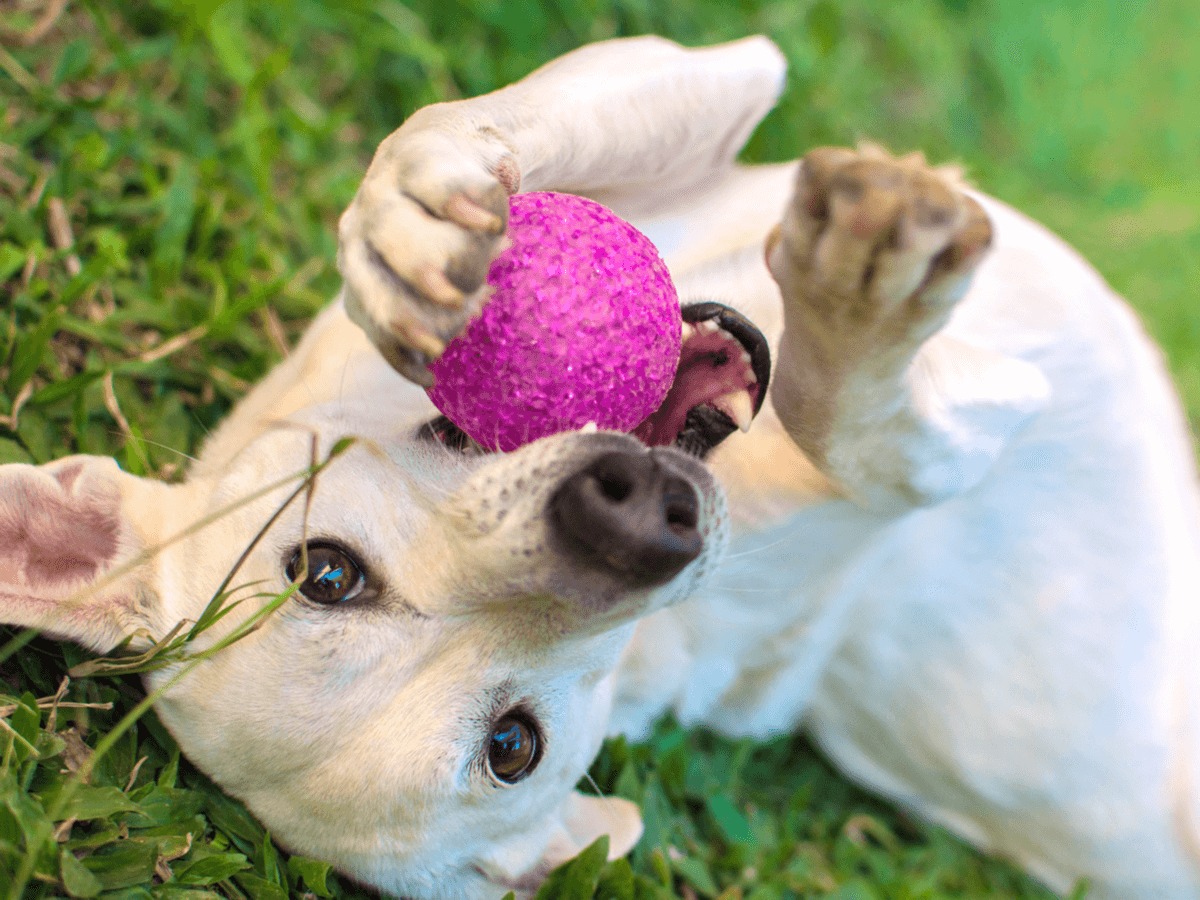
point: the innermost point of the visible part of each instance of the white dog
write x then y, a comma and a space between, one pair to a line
965, 521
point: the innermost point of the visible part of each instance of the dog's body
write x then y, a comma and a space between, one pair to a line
1012, 656
964, 529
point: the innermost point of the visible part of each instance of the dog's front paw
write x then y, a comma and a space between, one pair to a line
874, 250
417, 241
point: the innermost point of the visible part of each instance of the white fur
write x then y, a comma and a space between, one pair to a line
982, 605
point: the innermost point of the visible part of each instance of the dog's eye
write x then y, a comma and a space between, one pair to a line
442, 431
513, 750
333, 575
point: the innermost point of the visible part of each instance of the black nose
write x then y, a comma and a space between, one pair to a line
625, 514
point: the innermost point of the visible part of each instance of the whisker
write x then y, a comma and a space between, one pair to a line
160, 446
207, 431
743, 590
592, 782
754, 550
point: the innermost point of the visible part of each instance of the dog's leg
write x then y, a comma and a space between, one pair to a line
872, 256
633, 120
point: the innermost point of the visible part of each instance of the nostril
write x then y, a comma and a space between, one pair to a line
615, 486
681, 519
680, 508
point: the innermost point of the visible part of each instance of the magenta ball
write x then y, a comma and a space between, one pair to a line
583, 326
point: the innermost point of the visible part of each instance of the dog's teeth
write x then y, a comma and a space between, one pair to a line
589, 428
688, 332
746, 357
750, 377
707, 326
738, 406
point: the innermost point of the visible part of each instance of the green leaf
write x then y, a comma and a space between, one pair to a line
66, 388
124, 865
212, 869
161, 807
628, 785
172, 891
230, 816
114, 767
259, 888
104, 833
267, 862
766, 892
90, 802
26, 721
179, 208
341, 446
228, 31
73, 61
825, 26
12, 260
76, 878
173, 846
135, 893
49, 746
312, 872
29, 351
170, 772
660, 866
733, 825
577, 879
693, 870
616, 881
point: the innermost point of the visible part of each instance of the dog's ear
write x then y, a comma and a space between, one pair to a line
578, 822
73, 535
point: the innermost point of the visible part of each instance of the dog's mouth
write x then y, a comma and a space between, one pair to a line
719, 387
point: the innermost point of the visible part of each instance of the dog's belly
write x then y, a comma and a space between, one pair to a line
1011, 663
1060, 750
1008, 685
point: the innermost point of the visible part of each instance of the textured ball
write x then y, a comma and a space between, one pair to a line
583, 326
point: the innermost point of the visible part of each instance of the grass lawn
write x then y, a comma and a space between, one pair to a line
170, 178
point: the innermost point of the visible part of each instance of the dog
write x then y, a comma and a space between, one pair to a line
963, 521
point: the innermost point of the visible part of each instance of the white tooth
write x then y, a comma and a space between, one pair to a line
750, 377
707, 326
589, 428
738, 406
688, 331
727, 336
746, 357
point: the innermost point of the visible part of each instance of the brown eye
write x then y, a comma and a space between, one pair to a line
513, 749
333, 575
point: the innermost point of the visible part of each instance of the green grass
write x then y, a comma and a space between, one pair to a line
202, 153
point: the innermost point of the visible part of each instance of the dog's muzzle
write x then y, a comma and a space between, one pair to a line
628, 515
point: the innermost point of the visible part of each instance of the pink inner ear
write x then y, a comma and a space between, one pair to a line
57, 531
67, 474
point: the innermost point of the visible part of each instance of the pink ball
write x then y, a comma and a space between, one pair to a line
583, 326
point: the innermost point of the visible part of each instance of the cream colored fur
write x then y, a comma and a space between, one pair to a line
976, 585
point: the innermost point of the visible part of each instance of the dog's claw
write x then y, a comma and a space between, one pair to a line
416, 244
464, 211
415, 370
419, 339
434, 284
418, 375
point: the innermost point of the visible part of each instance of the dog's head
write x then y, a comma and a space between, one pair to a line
419, 712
